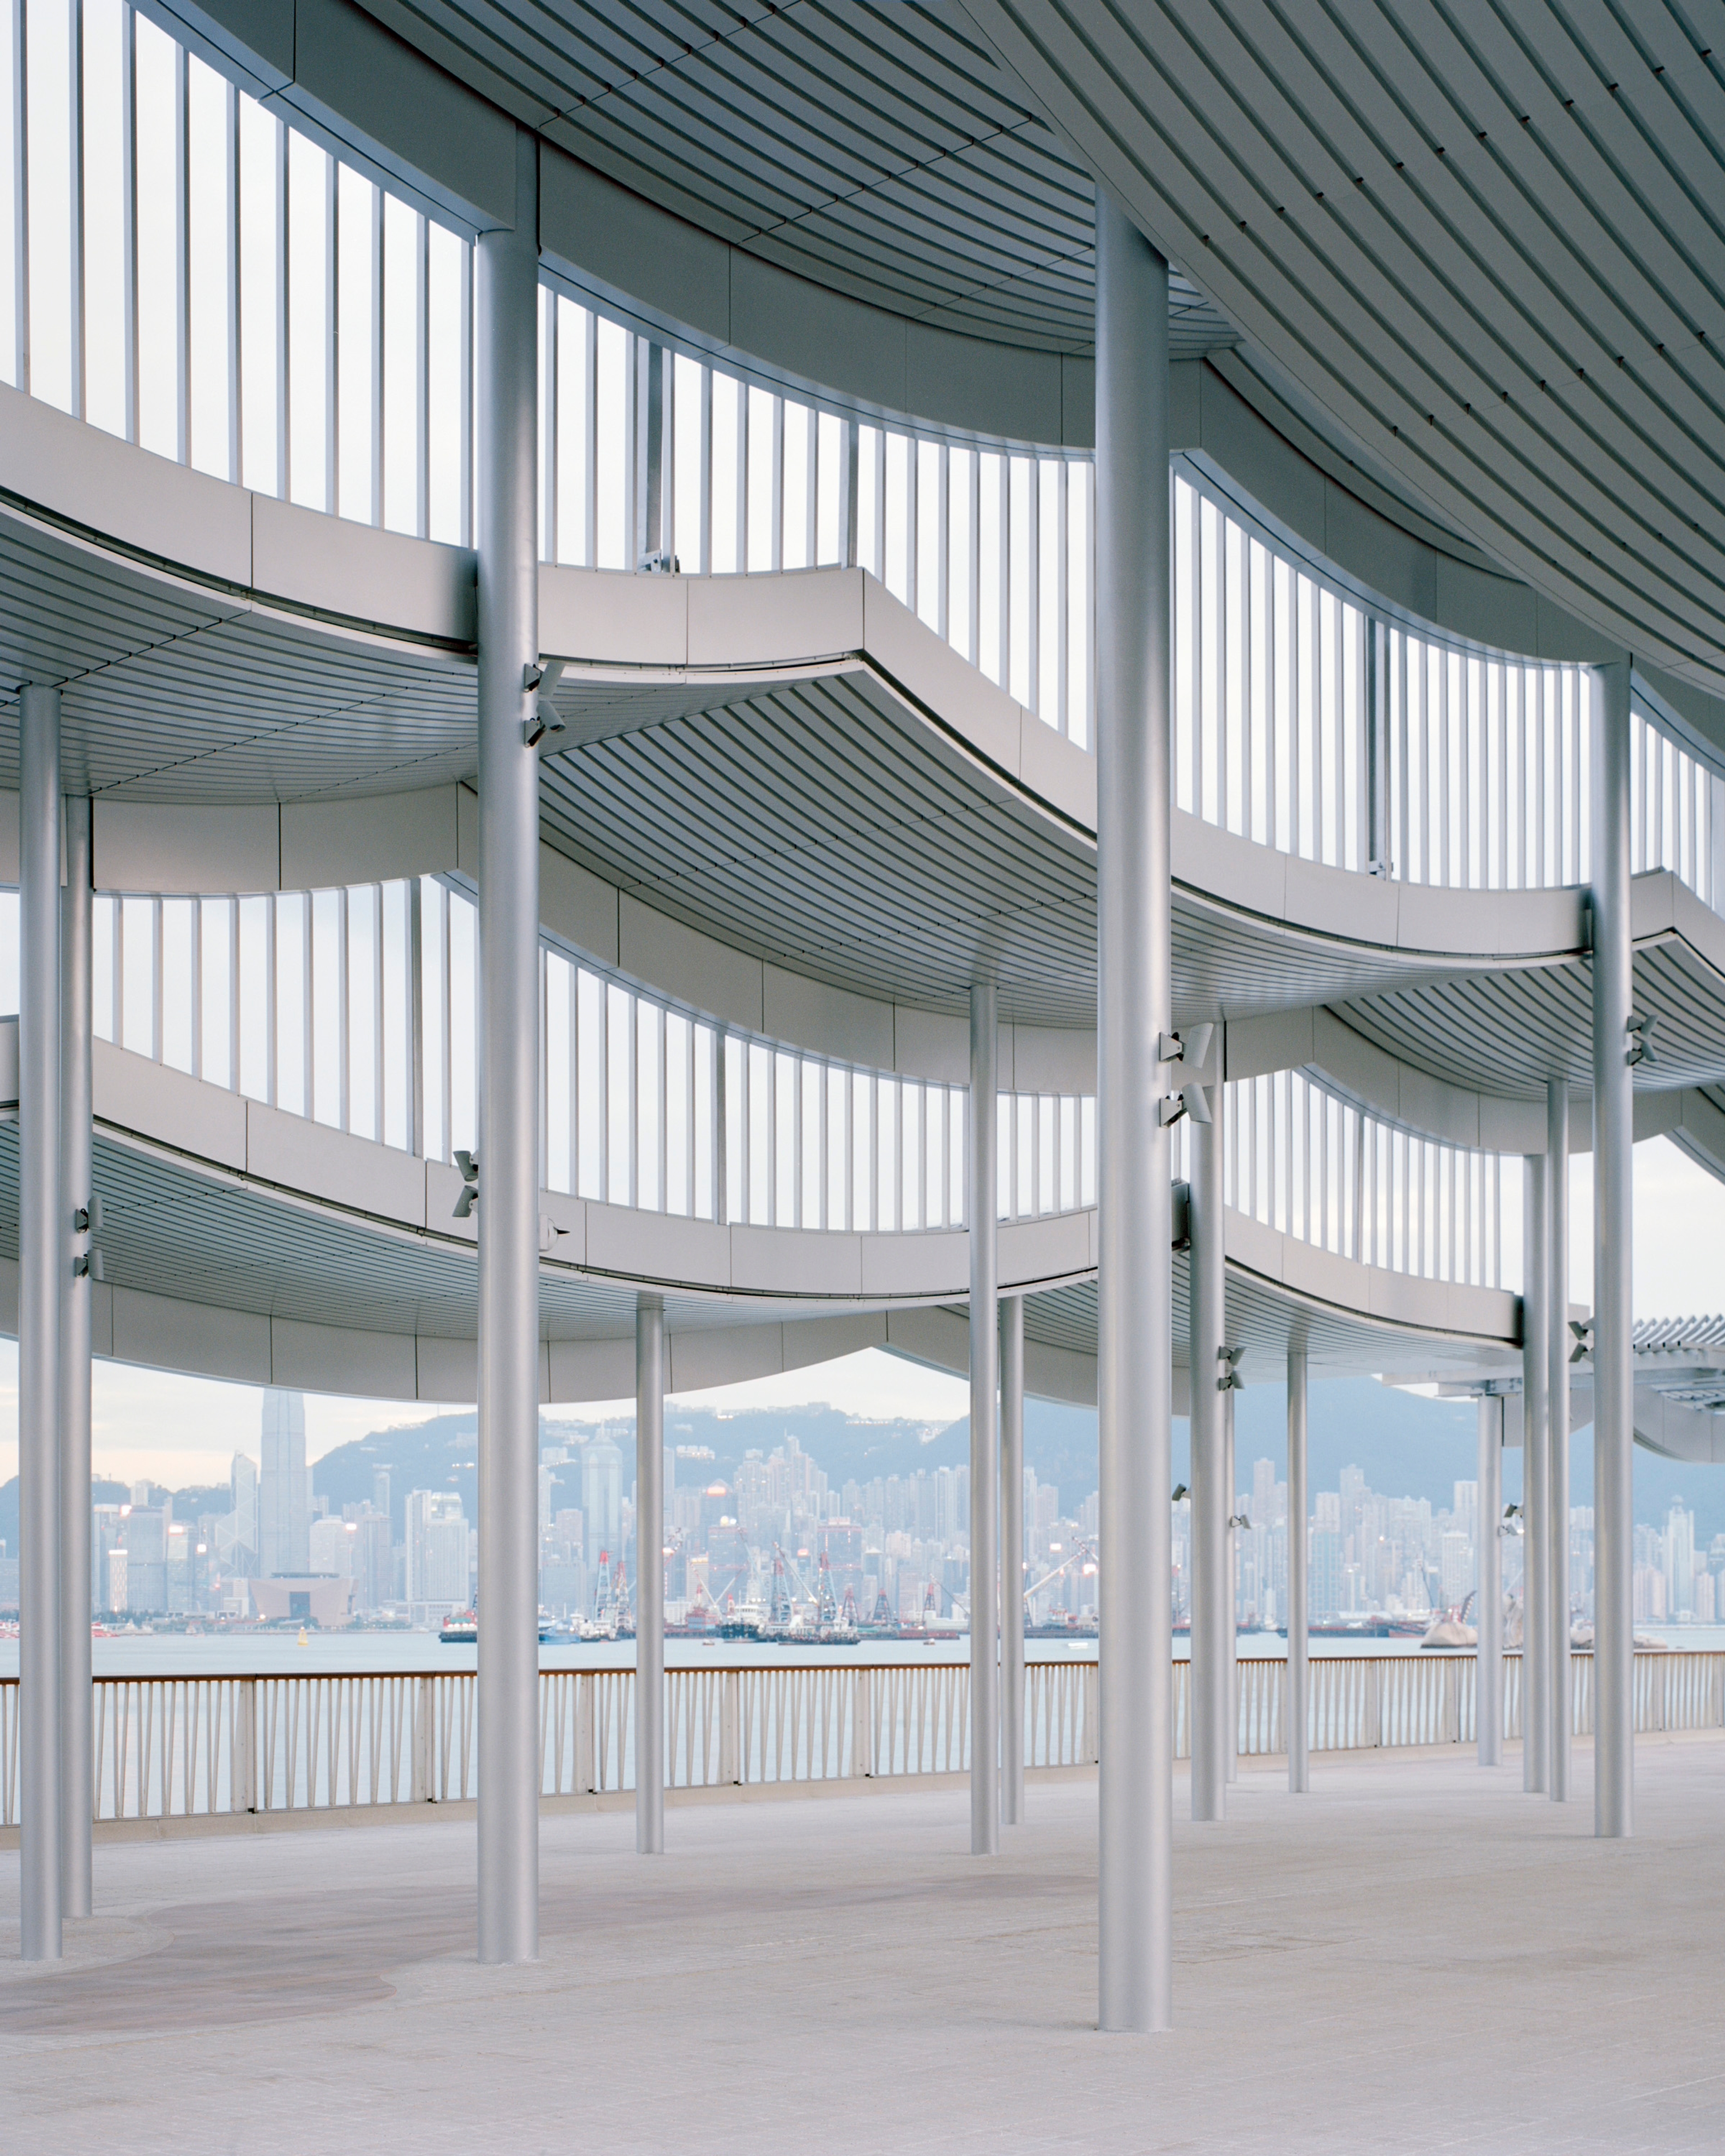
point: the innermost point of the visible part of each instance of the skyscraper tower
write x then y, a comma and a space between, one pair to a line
284, 1507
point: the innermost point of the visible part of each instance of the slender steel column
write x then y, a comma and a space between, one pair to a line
1299, 1609
1011, 1559
1233, 1549
1556, 1447
507, 290
649, 1575
985, 1426
1536, 1369
1134, 1277
1488, 1594
77, 1767
42, 1246
1614, 1229
1211, 1672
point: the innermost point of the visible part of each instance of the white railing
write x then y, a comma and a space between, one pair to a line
1302, 1160
313, 1002
183, 267
1305, 722
355, 1007
183, 1748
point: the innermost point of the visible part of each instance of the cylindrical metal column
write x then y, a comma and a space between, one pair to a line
1011, 1559
1536, 1370
1614, 1228
1557, 1422
649, 1575
1299, 1599
984, 1424
1134, 1274
1211, 1674
1233, 1547
77, 1767
42, 1248
1488, 1593
506, 389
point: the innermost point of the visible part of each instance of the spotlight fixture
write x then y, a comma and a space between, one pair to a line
543, 680
468, 1165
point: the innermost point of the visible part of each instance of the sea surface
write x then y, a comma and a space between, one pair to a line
217, 1653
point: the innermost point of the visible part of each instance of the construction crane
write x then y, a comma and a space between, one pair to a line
1080, 1551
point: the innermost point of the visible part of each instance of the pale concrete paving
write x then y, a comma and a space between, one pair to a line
1416, 1956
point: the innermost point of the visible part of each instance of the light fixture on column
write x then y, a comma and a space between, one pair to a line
1231, 1381
1638, 1035
545, 720
550, 1234
1583, 1332
467, 1165
1190, 1047
87, 1220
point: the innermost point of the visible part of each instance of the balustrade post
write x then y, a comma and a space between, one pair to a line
243, 1747
984, 1424
1488, 1586
421, 1740
862, 1726
42, 1248
1614, 1230
506, 404
586, 1750
1556, 1401
1134, 1274
649, 1575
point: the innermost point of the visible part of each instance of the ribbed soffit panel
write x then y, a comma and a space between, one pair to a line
1488, 242
877, 150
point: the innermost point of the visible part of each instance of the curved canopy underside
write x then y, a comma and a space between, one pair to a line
1482, 254
1485, 248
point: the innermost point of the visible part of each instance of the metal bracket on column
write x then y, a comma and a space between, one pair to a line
549, 1234
545, 720
1638, 1037
1231, 1381
1584, 1340
1192, 1047
1190, 1100
467, 1164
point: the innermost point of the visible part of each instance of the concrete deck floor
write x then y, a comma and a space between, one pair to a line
1416, 1956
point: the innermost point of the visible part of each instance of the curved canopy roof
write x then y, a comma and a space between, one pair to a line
1481, 254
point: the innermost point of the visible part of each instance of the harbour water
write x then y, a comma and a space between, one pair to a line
269, 1653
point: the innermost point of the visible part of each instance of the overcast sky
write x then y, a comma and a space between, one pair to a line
184, 1430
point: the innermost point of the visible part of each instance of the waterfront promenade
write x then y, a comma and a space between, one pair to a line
1415, 1956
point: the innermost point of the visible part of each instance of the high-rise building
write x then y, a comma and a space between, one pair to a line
1325, 1577
243, 1482
284, 1509
437, 1548
602, 1497
1680, 1560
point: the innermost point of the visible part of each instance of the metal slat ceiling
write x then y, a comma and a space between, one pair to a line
169, 1229
1263, 1319
172, 1231
878, 150
1485, 248
1505, 1033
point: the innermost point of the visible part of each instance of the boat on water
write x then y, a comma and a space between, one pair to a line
460, 1629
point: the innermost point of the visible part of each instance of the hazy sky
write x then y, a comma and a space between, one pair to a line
183, 1430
